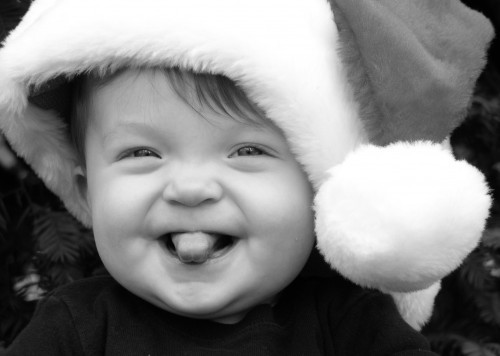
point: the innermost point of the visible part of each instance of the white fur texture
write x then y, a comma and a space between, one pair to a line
416, 307
282, 52
402, 217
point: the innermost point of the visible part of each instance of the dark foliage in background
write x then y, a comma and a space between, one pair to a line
42, 246
466, 319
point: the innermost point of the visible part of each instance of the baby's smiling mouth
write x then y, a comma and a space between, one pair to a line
197, 247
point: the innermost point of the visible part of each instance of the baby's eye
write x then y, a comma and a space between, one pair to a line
248, 151
141, 152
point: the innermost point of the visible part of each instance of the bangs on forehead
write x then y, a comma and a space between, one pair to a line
215, 92
201, 90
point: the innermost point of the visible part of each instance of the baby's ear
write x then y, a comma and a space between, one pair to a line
80, 179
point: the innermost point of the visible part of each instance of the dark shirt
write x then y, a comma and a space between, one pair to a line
313, 316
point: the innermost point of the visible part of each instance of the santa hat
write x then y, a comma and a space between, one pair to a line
365, 92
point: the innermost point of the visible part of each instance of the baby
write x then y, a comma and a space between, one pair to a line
198, 206
203, 137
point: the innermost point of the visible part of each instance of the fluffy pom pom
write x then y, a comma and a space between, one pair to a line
401, 217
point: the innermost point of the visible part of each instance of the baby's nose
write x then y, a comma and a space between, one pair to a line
192, 191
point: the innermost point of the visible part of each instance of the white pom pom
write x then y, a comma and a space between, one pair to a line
400, 218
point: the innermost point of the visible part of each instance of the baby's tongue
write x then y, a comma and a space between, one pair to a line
194, 247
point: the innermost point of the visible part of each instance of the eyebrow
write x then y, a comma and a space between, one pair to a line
129, 127
145, 128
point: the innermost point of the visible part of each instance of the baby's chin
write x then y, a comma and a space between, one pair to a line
219, 315
224, 317
219, 311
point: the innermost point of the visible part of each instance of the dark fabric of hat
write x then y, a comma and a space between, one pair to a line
421, 60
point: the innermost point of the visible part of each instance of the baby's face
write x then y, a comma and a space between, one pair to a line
205, 217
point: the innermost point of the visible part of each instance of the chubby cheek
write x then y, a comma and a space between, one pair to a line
119, 207
117, 200
283, 220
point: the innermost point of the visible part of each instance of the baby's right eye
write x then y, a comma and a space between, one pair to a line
139, 153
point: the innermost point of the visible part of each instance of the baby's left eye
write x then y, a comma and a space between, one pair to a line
248, 151
144, 152
140, 153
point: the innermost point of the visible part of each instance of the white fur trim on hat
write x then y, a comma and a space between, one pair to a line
283, 54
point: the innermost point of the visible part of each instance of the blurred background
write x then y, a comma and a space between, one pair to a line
42, 246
